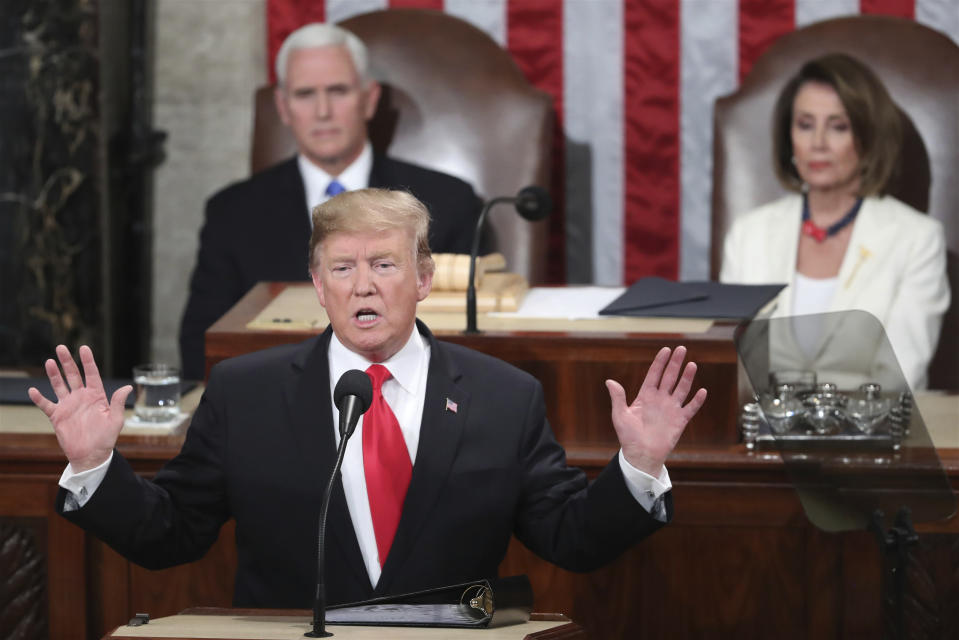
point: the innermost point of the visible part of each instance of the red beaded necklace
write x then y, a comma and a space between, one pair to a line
818, 233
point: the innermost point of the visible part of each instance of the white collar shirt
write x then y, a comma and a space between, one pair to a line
315, 180
405, 392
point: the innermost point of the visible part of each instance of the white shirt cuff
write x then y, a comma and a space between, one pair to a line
81, 486
647, 490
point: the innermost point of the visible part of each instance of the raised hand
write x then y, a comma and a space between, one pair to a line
86, 425
649, 427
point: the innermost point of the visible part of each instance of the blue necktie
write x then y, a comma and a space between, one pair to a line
334, 188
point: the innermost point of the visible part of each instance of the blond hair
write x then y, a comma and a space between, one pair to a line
373, 211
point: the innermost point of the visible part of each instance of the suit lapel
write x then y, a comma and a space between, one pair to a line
440, 432
784, 247
378, 172
858, 267
292, 184
862, 256
289, 215
311, 408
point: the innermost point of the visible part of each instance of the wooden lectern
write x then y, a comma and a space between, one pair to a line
265, 624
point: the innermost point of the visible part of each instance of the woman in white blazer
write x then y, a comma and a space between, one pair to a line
838, 241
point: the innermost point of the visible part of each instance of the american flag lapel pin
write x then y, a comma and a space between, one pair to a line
450, 405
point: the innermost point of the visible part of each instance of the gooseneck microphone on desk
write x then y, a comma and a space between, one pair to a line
532, 203
352, 396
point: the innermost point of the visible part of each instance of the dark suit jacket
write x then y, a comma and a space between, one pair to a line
258, 230
260, 450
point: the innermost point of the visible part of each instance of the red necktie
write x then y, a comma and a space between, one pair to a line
386, 462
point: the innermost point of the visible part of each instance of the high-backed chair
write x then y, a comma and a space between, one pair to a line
455, 101
920, 68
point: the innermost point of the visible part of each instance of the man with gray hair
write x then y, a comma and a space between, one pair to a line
256, 230
454, 456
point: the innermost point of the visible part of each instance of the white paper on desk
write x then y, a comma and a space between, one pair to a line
571, 303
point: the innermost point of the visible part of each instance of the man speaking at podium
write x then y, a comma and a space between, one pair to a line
454, 455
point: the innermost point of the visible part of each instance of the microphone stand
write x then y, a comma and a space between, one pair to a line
471, 285
319, 602
894, 545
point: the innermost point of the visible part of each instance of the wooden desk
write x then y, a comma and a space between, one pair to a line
740, 559
571, 365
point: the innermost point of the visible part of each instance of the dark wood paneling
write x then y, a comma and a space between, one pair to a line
207, 582
23, 578
108, 583
29, 500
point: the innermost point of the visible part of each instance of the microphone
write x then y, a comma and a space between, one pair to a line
532, 203
352, 396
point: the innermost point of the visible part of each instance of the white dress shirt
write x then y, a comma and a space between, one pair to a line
405, 392
315, 180
811, 298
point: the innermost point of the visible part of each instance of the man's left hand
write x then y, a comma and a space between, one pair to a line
649, 428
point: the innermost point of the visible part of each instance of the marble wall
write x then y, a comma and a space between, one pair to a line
209, 57
51, 189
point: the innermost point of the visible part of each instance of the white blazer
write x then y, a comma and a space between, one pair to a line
894, 268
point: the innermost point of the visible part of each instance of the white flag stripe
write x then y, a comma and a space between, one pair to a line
942, 15
339, 10
593, 120
488, 15
708, 69
809, 11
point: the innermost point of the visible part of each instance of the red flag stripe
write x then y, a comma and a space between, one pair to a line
760, 23
534, 37
897, 8
283, 17
417, 4
651, 158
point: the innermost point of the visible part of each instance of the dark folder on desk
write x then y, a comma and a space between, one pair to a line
480, 603
658, 297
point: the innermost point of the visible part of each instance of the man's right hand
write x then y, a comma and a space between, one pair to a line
86, 425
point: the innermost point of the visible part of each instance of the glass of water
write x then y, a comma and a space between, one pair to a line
158, 392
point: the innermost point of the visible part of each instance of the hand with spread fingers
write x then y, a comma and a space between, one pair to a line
649, 427
87, 426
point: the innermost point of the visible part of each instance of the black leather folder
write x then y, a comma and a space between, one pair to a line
479, 604
659, 298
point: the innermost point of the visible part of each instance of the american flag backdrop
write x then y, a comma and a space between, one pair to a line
633, 83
